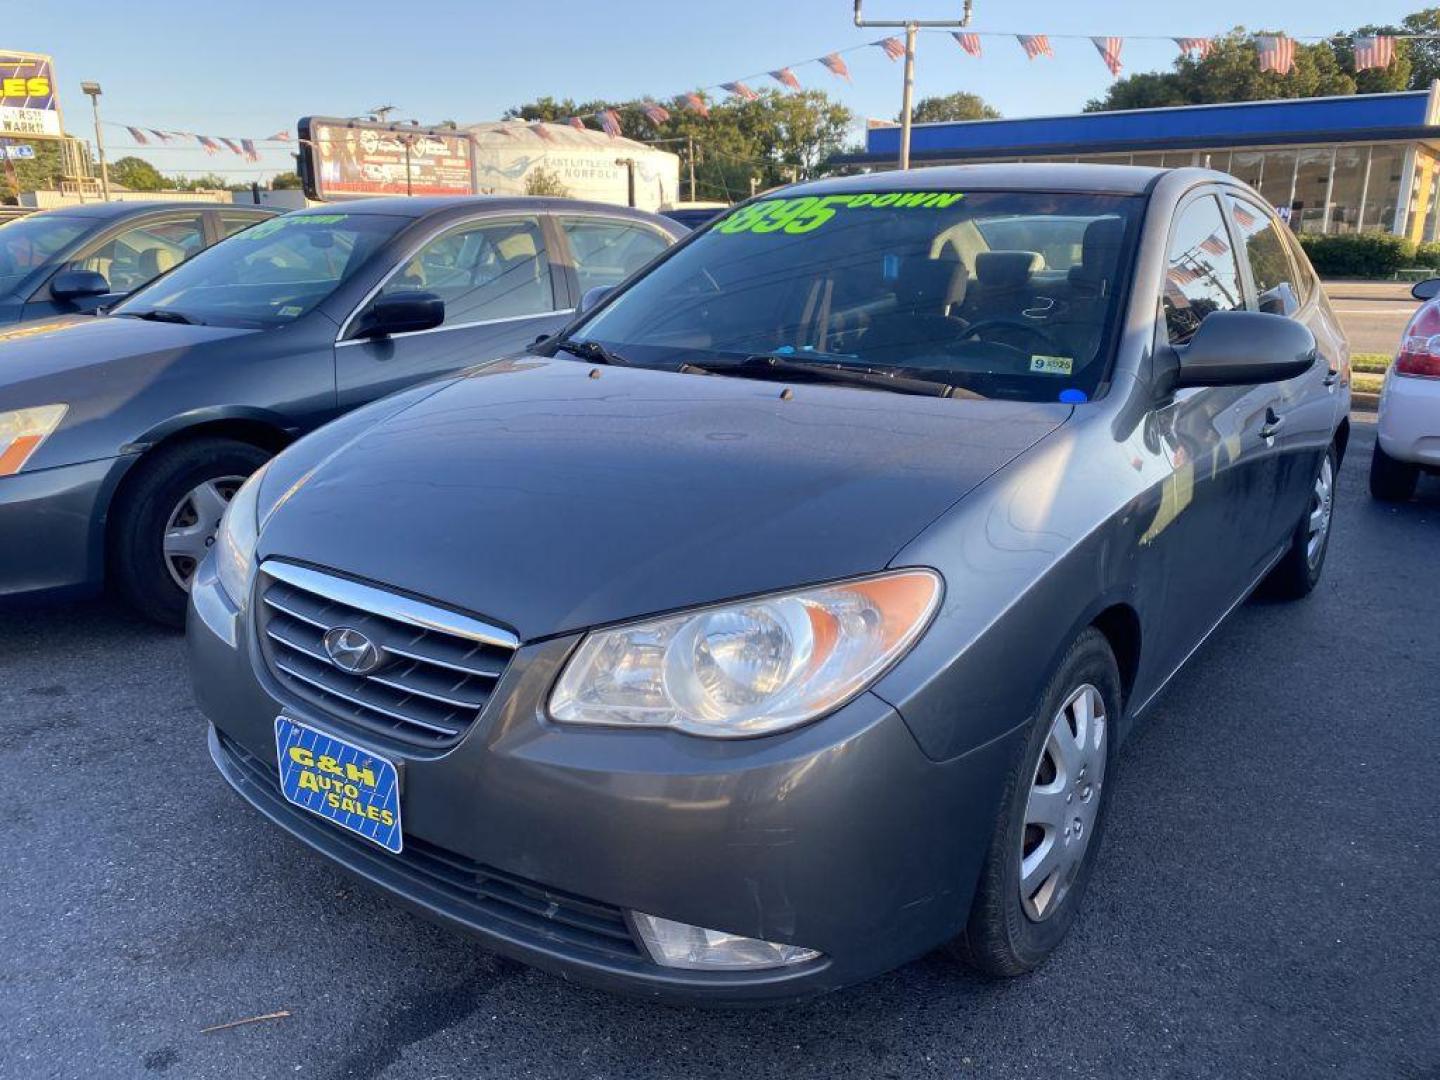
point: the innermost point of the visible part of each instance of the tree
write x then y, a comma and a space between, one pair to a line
285, 181
960, 105
1232, 73
1424, 55
137, 174
542, 181
41, 172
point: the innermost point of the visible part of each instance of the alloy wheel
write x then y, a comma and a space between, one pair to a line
1322, 504
190, 529
1063, 803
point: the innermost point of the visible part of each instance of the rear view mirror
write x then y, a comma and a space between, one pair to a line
405, 313
1242, 348
593, 297
78, 284
1427, 289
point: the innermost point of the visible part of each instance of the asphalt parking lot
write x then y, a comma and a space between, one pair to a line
1265, 903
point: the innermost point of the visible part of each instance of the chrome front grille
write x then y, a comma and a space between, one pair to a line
437, 668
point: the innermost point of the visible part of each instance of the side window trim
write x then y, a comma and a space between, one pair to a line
342, 336
572, 265
1189, 199
1288, 245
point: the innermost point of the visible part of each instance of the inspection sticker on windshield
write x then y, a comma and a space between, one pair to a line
354, 788
809, 212
1052, 365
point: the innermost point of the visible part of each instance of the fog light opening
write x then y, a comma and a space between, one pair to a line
680, 945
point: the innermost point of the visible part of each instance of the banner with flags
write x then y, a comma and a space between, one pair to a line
1197, 46
892, 47
740, 90
786, 78
835, 64
969, 42
1035, 45
656, 114
138, 136
1277, 53
609, 122
1376, 51
1109, 49
696, 104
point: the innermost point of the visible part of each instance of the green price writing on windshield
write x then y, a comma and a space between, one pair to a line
809, 212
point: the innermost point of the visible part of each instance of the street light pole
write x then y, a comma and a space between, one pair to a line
911, 28
92, 91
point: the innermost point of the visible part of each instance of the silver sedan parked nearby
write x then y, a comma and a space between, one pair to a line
778, 620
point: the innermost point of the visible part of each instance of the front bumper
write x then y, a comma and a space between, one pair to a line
51, 528
1408, 426
841, 836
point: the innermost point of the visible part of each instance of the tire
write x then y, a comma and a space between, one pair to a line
1391, 480
1298, 571
1009, 933
141, 571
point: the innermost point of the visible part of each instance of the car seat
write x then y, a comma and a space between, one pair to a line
927, 291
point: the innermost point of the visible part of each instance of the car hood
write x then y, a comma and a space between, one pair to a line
542, 496
37, 350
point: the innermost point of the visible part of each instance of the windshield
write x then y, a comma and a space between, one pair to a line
998, 294
30, 242
268, 275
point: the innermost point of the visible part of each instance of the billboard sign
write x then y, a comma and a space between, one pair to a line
29, 104
343, 159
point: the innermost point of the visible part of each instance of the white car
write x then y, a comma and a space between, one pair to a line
1409, 421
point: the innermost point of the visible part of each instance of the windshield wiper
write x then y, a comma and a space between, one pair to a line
771, 365
592, 351
159, 315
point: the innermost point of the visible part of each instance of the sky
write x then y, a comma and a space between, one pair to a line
249, 69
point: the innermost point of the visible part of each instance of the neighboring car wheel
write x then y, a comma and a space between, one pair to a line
1051, 816
1391, 480
168, 518
1298, 571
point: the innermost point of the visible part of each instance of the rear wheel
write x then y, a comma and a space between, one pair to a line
1391, 480
167, 521
1298, 571
1051, 816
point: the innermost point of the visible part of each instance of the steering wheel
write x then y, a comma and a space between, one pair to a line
976, 328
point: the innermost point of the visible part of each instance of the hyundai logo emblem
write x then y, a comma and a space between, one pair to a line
350, 650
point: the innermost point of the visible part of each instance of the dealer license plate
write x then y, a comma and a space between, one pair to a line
354, 788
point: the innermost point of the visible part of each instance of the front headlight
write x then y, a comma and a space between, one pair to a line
751, 667
235, 540
23, 430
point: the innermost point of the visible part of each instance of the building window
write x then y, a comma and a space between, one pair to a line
1247, 165
1383, 192
1349, 188
1312, 180
1277, 185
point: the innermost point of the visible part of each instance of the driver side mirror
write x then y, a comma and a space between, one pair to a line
592, 297
1427, 289
1244, 348
405, 313
78, 284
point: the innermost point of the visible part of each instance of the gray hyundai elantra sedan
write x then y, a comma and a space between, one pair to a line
778, 620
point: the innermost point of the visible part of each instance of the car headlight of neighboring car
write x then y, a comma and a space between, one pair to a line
751, 667
235, 540
23, 430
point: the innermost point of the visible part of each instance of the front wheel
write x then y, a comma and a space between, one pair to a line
166, 521
1047, 832
1298, 571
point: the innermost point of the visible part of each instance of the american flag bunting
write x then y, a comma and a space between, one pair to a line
835, 64
1200, 46
138, 136
1277, 53
785, 77
892, 47
609, 122
576, 123
1376, 51
1214, 245
740, 90
248, 145
1035, 45
1243, 217
210, 145
696, 104
1109, 50
232, 146
657, 114
969, 42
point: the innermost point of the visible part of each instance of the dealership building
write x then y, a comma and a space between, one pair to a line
1362, 163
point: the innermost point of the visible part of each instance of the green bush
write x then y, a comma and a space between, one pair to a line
1364, 255
1428, 255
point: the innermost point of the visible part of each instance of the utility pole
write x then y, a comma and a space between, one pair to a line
92, 91
911, 28
690, 161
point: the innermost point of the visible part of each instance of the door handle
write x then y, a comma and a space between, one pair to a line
1273, 423
1331, 378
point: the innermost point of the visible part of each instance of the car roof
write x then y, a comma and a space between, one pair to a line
114, 211
1034, 176
421, 206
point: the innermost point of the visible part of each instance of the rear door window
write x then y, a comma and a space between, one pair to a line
1277, 285
1201, 274
143, 252
606, 252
